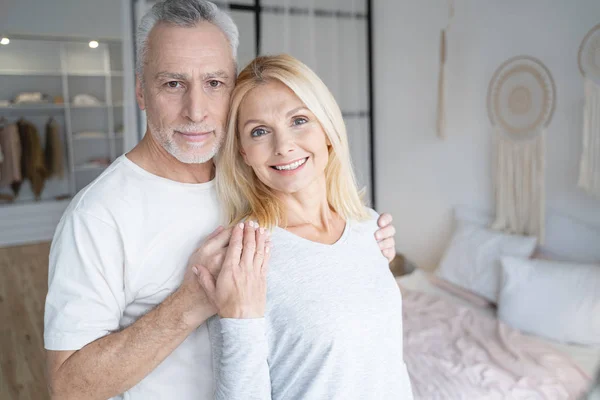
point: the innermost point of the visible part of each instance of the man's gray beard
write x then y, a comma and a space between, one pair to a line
171, 147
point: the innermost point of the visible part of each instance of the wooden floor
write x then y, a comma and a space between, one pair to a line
23, 287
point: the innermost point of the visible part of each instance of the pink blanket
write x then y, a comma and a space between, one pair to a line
453, 352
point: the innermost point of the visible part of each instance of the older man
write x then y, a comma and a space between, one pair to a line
125, 313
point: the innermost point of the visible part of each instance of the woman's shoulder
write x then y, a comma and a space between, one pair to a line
373, 215
368, 225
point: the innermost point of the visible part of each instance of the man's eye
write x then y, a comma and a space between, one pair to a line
300, 121
258, 132
214, 83
174, 84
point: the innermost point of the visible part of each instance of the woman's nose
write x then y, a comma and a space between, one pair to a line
284, 143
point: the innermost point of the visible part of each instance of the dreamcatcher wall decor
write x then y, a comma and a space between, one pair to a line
589, 65
521, 101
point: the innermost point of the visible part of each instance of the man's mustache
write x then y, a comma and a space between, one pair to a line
194, 128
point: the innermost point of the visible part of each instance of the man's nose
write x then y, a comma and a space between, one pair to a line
197, 105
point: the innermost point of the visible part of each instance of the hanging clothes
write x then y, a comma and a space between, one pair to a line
2, 122
54, 151
32, 161
1, 160
11, 147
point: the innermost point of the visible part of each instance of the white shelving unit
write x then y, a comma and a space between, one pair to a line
66, 68
62, 69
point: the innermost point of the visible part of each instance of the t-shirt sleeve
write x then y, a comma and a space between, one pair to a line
85, 282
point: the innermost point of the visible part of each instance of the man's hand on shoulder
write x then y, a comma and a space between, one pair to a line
212, 251
385, 236
196, 306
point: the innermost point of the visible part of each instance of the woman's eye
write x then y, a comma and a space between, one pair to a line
300, 121
174, 84
258, 132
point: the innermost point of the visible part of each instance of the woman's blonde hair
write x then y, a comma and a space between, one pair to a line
242, 193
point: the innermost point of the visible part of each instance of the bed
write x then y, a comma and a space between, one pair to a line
458, 349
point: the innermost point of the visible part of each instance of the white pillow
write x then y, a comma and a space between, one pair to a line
472, 259
556, 300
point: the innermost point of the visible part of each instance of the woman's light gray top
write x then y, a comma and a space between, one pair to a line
332, 327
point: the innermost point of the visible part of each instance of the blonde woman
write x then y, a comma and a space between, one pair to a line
328, 322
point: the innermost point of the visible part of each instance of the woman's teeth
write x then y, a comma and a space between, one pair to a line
291, 166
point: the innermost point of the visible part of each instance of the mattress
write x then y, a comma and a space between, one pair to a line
418, 280
458, 350
587, 358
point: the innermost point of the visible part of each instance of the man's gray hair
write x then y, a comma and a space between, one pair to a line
185, 13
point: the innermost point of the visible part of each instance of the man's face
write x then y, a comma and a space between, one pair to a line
188, 78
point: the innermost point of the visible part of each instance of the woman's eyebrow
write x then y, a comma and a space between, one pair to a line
289, 114
253, 121
295, 110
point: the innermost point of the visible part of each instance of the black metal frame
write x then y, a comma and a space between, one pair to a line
371, 101
257, 9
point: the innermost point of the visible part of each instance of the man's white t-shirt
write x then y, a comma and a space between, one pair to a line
120, 249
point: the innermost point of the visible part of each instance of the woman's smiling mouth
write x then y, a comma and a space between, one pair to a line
290, 166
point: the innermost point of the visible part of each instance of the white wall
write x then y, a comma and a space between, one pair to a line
81, 18
420, 177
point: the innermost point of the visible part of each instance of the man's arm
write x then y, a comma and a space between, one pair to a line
84, 305
115, 363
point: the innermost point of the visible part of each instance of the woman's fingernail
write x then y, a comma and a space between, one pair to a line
195, 270
262, 230
241, 225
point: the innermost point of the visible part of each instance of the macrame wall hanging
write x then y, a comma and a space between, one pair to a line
521, 100
589, 65
441, 107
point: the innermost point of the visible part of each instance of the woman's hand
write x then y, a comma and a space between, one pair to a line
240, 290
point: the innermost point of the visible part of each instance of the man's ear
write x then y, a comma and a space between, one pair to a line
139, 93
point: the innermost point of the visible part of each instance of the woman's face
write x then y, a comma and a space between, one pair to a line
281, 140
